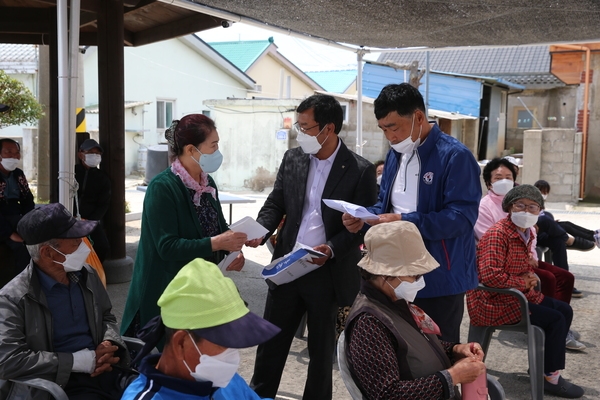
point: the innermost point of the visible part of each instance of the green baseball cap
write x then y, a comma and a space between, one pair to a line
202, 300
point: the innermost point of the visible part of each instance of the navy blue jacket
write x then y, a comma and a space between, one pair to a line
447, 209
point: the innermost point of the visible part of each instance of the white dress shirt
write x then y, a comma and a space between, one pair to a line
312, 229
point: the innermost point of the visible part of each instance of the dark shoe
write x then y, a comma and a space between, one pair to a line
564, 389
581, 244
577, 293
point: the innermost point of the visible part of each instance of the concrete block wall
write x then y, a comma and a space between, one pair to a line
553, 154
376, 146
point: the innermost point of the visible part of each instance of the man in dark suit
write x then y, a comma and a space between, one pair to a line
321, 168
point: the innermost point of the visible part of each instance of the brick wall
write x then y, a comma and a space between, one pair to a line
554, 154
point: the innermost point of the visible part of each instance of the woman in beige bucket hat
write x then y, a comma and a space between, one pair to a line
392, 345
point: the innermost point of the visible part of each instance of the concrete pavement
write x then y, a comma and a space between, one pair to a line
507, 356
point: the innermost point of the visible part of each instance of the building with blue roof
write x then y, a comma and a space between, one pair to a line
276, 77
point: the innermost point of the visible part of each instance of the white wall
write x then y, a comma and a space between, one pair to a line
248, 139
163, 70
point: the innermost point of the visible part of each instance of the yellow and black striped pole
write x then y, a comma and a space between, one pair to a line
80, 121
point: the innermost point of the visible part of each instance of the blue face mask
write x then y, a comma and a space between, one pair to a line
209, 162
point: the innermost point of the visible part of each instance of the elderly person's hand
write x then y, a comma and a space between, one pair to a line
237, 264
228, 241
531, 280
105, 357
466, 370
468, 350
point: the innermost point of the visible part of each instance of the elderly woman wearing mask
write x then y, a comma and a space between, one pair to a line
393, 351
182, 219
503, 255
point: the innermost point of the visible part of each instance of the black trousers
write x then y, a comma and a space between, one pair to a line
554, 317
553, 236
286, 304
577, 231
105, 386
446, 312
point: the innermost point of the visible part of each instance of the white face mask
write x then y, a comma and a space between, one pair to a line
407, 145
10, 164
74, 261
92, 160
310, 144
407, 290
379, 179
218, 369
502, 186
544, 196
523, 219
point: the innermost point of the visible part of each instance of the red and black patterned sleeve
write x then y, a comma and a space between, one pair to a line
371, 351
492, 252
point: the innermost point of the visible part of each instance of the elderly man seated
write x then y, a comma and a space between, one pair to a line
205, 322
55, 316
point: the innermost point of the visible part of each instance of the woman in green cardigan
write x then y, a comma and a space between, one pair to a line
182, 219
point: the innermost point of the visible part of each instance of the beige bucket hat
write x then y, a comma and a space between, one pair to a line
396, 249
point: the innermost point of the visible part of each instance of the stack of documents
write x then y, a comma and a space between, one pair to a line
250, 227
292, 266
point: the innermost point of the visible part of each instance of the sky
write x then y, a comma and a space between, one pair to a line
305, 54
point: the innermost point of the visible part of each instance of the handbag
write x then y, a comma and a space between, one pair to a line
476, 390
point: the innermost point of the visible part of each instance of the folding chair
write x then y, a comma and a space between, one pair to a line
345, 371
535, 339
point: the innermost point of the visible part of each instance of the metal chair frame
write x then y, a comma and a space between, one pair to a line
535, 339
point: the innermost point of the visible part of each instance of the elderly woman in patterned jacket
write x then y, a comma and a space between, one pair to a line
503, 262
392, 345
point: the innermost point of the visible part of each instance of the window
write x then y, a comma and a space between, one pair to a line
206, 112
345, 108
164, 113
524, 119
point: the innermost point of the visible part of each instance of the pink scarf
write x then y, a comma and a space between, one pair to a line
191, 183
424, 321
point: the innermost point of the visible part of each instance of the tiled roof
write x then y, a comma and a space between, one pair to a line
18, 53
336, 81
242, 54
524, 65
18, 58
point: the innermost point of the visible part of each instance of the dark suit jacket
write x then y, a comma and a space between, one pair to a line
352, 178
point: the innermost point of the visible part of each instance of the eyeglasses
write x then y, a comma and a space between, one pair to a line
304, 130
532, 208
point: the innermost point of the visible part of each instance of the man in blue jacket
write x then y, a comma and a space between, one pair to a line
431, 180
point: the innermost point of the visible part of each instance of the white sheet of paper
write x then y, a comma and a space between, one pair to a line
352, 209
250, 227
228, 260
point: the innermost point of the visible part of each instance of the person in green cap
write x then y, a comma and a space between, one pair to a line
205, 322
